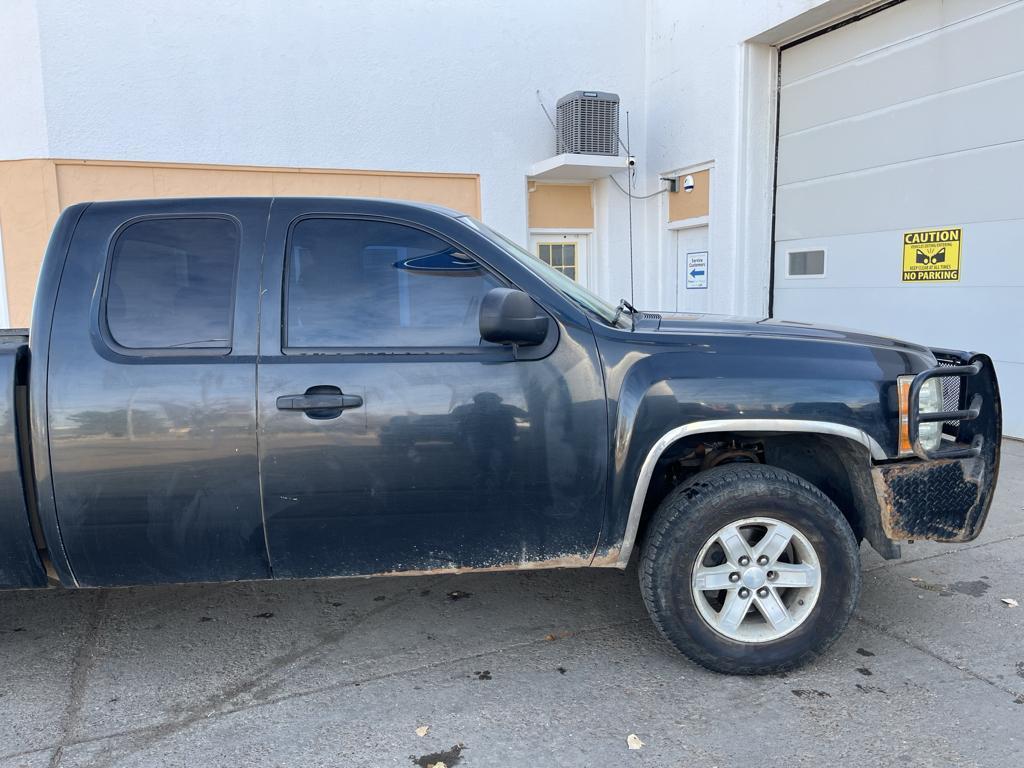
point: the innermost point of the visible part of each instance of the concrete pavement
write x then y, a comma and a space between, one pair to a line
513, 669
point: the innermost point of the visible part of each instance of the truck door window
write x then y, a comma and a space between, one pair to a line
374, 284
170, 284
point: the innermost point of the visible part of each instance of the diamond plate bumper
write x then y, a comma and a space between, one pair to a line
947, 499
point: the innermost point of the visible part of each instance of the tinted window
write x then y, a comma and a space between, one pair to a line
806, 263
171, 283
376, 284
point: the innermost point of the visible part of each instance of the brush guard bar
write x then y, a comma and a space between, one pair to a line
969, 437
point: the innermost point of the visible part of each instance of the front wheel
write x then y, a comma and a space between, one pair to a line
749, 569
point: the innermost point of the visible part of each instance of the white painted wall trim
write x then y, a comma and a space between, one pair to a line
707, 165
821, 16
755, 154
561, 230
696, 221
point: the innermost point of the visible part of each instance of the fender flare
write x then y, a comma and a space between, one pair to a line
727, 425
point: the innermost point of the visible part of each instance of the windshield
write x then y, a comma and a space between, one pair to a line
564, 285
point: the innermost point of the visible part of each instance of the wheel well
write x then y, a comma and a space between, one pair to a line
838, 466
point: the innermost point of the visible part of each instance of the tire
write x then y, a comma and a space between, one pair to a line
689, 524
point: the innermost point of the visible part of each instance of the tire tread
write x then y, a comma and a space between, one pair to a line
667, 520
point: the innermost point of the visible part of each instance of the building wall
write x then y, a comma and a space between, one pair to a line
446, 86
22, 111
449, 86
711, 75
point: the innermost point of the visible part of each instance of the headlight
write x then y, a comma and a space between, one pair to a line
929, 401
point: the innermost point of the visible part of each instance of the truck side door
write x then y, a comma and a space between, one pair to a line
391, 437
152, 393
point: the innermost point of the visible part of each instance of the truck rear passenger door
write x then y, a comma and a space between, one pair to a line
391, 437
152, 393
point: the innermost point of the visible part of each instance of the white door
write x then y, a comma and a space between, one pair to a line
565, 251
692, 270
902, 136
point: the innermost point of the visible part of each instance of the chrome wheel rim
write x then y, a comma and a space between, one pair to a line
756, 580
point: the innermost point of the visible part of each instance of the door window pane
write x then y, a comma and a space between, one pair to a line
358, 283
171, 284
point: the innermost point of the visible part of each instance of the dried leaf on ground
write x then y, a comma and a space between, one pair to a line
422, 730
557, 636
633, 741
1010, 602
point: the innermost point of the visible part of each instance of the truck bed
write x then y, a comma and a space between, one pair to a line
20, 564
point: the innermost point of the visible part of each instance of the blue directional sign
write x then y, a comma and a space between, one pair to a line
697, 269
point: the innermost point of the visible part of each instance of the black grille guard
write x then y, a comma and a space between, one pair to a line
969, 440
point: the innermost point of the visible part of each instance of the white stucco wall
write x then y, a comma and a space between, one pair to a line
22, 113
439, 86
710, 98
448, 85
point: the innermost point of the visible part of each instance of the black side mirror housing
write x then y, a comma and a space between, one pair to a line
509, 316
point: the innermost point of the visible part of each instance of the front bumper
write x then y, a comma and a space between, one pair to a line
945, 495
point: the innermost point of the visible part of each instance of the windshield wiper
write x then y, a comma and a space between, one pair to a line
625, 306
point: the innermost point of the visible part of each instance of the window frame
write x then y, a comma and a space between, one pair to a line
790, 252
575, 256
178, 352
483, 350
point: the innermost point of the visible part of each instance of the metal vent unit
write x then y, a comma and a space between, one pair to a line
587, 123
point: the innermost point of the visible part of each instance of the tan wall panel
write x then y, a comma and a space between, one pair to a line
80, 183
449, 192
200, 182
27, 202
561, 206
690, 205
33, 192
326, 184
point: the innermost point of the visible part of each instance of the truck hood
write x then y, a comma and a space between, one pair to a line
690, 323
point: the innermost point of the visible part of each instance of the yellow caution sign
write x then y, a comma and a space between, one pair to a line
932, 255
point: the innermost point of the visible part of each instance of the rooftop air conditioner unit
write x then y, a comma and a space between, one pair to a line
587, 123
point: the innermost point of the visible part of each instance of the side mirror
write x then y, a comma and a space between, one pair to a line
508, 316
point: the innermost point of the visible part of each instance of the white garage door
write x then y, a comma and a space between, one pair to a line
908, 120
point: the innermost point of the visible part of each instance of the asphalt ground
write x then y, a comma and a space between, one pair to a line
514, 669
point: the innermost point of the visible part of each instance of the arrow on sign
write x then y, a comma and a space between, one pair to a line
695, 272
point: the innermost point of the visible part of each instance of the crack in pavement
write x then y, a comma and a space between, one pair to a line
258, 687
141, 738
937, 656
149, 735
80, 666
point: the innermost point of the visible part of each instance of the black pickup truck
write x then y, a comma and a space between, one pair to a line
255, 388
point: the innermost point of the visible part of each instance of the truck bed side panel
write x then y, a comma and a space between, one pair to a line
20, 565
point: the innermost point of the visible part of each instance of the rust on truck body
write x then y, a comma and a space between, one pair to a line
609, 559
